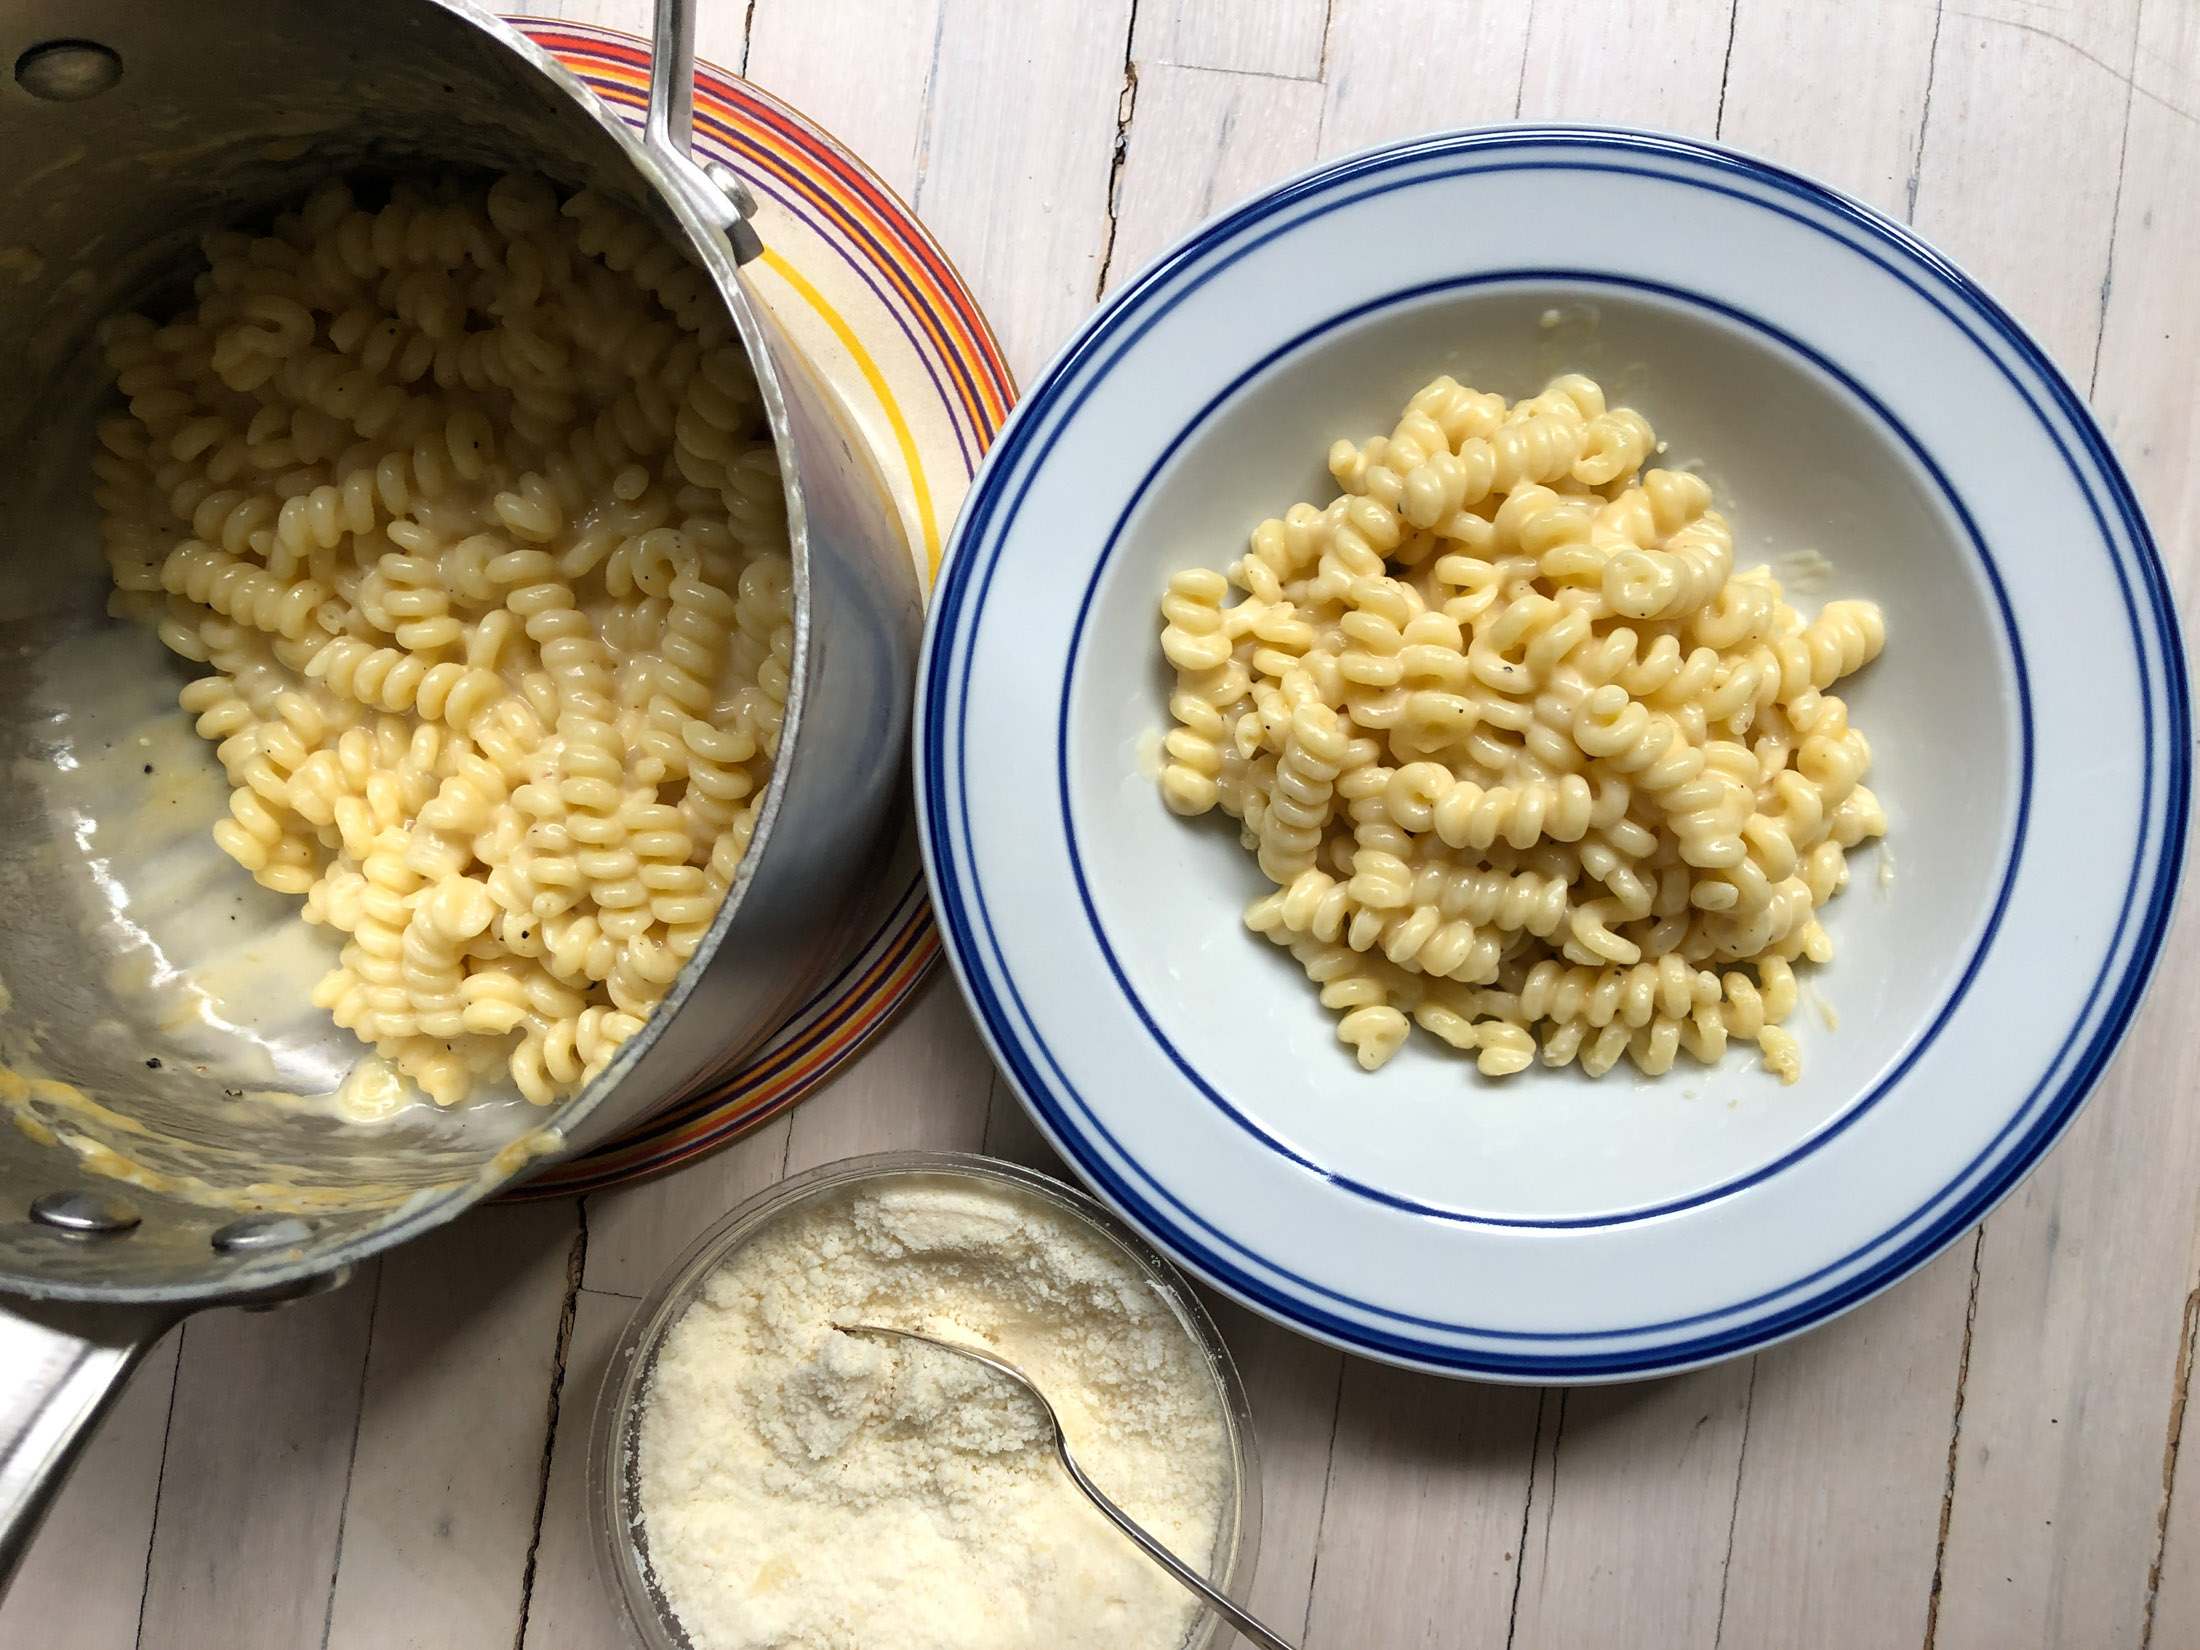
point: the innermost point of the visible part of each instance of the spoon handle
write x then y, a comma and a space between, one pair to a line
1249, 1628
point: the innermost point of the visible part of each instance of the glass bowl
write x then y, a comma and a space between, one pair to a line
614, 1495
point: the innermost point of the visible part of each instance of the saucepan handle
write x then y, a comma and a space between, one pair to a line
61, 1366
669, 134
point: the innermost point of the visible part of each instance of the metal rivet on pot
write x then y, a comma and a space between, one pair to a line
68, 71
90, 1213
255, 1232
730, 185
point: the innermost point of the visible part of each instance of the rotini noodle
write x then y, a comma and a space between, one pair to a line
1531, 763
469, 501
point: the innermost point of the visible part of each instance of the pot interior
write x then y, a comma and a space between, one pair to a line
156, 1026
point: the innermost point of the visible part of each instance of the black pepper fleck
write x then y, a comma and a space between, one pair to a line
152, 1065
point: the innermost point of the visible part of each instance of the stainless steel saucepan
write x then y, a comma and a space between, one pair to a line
137, 966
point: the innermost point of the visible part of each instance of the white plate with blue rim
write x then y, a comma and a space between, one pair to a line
1849, 393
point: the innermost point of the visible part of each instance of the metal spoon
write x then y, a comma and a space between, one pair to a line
1249, 1628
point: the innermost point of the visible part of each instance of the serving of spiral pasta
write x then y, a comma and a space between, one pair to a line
1529, 762
464, 494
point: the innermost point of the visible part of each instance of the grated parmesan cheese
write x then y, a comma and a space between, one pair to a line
802, 1488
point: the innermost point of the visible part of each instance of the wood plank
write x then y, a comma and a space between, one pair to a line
2027, 106
859, 68
1010, 1133
2079, 1317
1397, 67
721, 32
1264, 37
2173, 1603
448, 1470
1015, 170
1292, 1384
250, 1517
1001, 134
1632, 1520
1860, 130
1203, 140
637, 1230
570, 1608
1659, 63
83, 1581
923, 1086
1838, 1511
1428, 1491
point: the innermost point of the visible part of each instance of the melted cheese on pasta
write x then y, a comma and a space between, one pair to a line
469, 503
1530, 762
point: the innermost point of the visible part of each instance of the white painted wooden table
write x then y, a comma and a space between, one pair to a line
1987, 1456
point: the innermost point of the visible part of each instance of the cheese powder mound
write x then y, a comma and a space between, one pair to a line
806, 1488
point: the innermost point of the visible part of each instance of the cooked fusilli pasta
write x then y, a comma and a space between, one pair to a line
469, 501
1531, 763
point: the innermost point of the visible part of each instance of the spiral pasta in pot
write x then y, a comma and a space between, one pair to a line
467, 498
1532, 765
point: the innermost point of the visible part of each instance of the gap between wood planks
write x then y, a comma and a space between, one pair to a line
1527, 1501
145, 1579
2170, 1448
1126, 104
351, 1461
1749, 1398
1924, 120
2115, 211
576, 1268
1955, 1435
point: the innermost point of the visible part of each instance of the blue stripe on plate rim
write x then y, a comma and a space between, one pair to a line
1538, 277
2047, 1111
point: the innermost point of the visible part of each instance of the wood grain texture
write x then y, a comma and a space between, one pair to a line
87, 1567
447, 1469
1397, 67
1292, 1385
2023, 113
859, 68
1634, 1506
1861, 129
250, 1519
1658, 63
1428, 1491
929, 1092
924, 1085
636, 1231
2149, 329
1275, 38
1015, 174
570, 1606
1206, 139
1837, 1515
